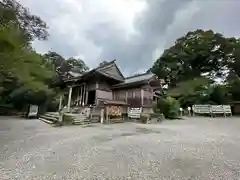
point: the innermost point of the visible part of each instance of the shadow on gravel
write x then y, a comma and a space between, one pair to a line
128, 134
146, 131
138, 131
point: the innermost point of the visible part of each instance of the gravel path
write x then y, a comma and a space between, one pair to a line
183, 150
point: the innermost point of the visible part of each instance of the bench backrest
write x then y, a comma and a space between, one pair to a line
135, 113
201, 109
214, 109
227, 109
217, 109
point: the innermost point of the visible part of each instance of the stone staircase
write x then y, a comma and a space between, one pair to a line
80, 119
50, 117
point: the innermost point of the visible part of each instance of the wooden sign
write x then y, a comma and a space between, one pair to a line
114, 110
135, 113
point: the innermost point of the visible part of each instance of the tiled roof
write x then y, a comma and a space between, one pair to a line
137, 78
141, 77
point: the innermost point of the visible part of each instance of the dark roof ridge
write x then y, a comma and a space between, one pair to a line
136, 75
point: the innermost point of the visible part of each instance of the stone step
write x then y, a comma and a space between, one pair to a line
49, 118
52, 115
81, 123
81, 120
113, 121
46, 121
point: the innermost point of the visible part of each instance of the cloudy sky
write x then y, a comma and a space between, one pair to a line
135, 32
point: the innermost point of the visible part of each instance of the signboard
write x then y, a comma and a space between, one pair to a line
134, 113
33, 111
114, 110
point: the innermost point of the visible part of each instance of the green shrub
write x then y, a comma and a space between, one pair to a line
169, 107
144, 118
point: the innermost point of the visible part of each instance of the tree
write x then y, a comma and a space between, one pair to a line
32, 26
63, 65
55, 59
193, 63
103, 63
77, 63
19, 64
198, 53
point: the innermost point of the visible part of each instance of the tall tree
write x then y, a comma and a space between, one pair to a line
198, 53
21, 69
32, 25
24, 75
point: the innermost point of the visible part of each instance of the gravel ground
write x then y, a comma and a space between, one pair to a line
197, 148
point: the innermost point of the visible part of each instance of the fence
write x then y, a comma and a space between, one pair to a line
212, 109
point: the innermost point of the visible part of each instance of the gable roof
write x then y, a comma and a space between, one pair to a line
136, 79
111, 70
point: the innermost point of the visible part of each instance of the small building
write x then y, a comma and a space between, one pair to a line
106, 87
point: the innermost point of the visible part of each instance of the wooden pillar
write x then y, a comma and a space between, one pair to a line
142, 97
126, 98
78, 96
60, 103
107, 119
84, 94
69, 99
102, 115
80, 100
86, 98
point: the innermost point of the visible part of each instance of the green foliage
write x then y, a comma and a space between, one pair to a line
32, 26
103, 63
77, 63
219, 94
198, 53
24, 75
62, 66
169, 107
27, 77
193, 63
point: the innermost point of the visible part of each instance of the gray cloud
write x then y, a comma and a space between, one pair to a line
136, 52
98, 36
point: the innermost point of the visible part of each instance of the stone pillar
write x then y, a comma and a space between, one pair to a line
60, 103
69, 99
